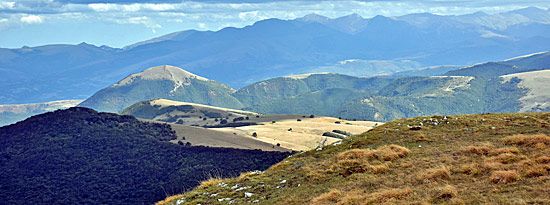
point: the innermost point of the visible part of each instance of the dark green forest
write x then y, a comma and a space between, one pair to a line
80, 156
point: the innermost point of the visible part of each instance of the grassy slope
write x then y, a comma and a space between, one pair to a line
534, 62
419, 96
323, 102
115, 99
281, 88
489, 158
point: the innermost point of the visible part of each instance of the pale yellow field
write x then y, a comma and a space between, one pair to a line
165, 103
305, 135
538, 89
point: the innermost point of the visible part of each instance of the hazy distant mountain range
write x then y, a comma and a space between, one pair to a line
241, 56
514, 85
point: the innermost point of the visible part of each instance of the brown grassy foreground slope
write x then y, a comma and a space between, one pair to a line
466, 159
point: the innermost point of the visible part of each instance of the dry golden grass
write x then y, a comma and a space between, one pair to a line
506, 158
387, 195
507, 176
362, 197
305, 135
445, 193
386, 153
406, 165
169, 200
463, 162
421, 138
379, 169
440, 173
353, 197
527, 140
543, 160
316, 176
210, 182
245, 176
507, 150
391, 152
280, 165
331, 197
470, 169
537, 171
480, 150
362, 160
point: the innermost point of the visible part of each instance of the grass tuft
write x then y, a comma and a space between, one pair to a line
331, 197
169, 200
528, 140
507, 150
362, 160
445, 193
210, 182
503, 177
543, 160
480, 150
435, 174
388, 195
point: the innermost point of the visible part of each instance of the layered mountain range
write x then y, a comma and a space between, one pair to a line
513, 85
274, 47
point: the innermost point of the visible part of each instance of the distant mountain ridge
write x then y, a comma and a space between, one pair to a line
12, 113
503, 86
162, 82
513, 85
273, 47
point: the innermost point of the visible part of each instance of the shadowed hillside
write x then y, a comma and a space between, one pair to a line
80, 156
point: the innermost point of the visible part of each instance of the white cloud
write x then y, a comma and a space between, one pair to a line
7, 5
143, 20
32, 19
215, 15
101, 7
202, 25
160, 7
249, 15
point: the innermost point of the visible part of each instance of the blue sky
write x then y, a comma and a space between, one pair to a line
123, 22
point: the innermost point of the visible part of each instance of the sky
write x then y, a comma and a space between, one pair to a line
118, 23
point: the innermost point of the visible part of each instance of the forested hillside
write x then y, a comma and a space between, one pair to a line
80, 156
